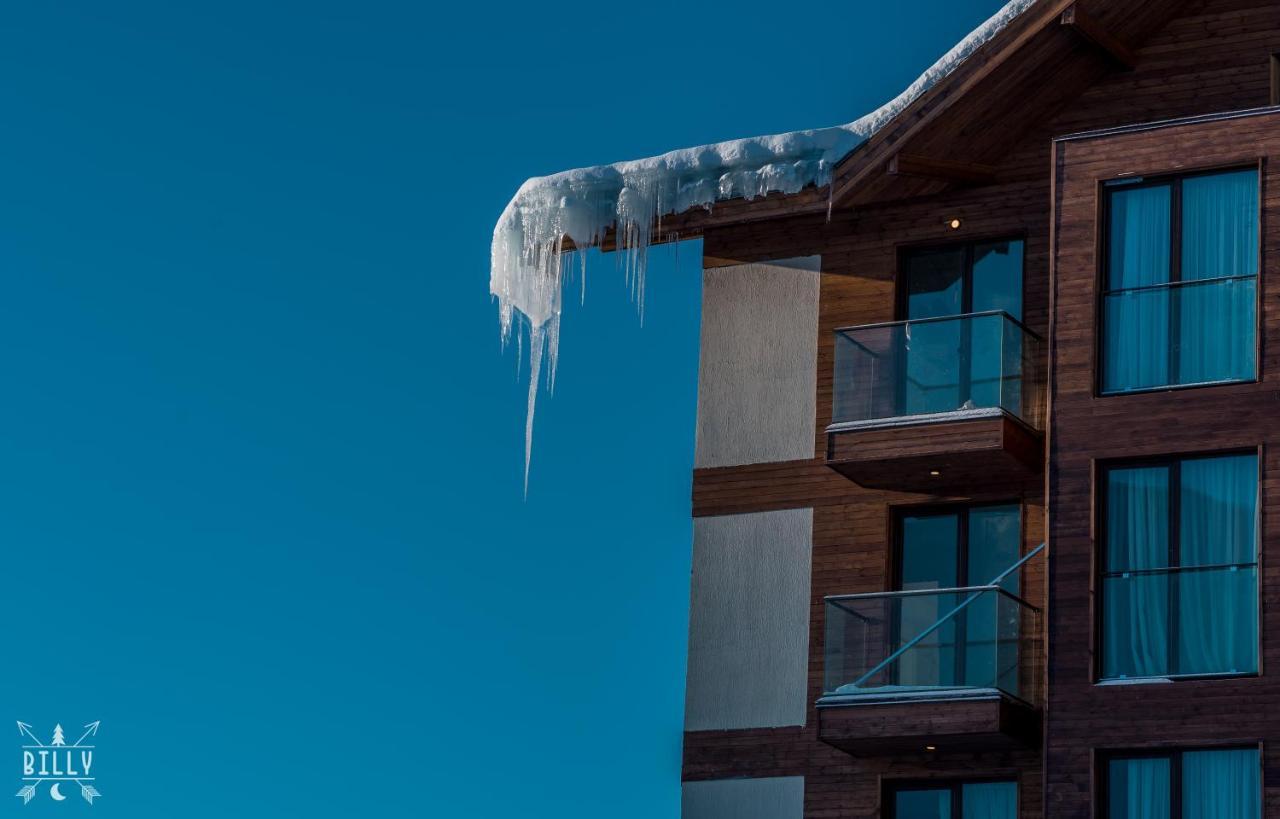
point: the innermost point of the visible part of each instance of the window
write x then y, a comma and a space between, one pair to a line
1205, 784
947, 548
963, 364
954, 800
1180, 570
1180, 281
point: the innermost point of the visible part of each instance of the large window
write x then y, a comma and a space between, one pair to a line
1180, 281
1180, 567
946, 548
960, 364
1204, 784
954, 800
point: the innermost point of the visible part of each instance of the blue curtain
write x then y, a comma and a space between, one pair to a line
923, 804
1136, 324
1221, 784
1138, 788
1220, 225
1217, 609
989, 800
1136, 629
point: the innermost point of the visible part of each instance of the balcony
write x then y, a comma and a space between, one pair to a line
935, 669
928, 404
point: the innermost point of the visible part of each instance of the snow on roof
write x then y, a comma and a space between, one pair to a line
527, 265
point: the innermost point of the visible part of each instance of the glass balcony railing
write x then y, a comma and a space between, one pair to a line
1179, 334
976, 362
1180, 621
898, 645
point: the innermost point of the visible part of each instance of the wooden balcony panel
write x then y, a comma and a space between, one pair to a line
985, 720
962, 452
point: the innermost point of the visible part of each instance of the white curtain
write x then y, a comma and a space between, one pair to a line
1138, 788
989, 800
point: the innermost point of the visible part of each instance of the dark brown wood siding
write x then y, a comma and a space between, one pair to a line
1215, 56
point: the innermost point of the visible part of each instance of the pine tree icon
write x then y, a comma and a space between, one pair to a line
57, 736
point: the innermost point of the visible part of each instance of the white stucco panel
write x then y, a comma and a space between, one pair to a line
757, 376
773, 798
749, 621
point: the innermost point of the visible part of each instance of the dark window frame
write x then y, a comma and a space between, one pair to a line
1174, 180
961, 510
905, 251
1174, 755
1174, 463
956, 786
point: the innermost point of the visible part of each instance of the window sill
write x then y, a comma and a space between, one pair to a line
1172, 387
1182, 678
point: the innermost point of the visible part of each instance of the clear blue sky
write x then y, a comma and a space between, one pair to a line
260, 467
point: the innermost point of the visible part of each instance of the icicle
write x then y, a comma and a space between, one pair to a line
526, 263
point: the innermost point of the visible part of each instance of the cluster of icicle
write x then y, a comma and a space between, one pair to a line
528, 263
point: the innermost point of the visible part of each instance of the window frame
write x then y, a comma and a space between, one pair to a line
1174, 755
891, 787
902, 289
1174, 462
1103, 250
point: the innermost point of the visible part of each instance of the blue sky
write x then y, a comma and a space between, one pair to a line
261, 460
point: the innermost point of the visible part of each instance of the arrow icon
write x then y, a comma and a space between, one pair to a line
93, 730
23, 728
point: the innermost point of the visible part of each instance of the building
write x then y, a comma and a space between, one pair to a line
1030, 308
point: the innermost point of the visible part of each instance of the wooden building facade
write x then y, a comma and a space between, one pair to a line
856, 647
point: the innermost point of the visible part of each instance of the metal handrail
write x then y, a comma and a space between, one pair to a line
1180, 283
980, 314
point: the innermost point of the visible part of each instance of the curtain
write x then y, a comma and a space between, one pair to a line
1136, 324
923, 804
1217, 609
1135, 628
1215, 330
1220, 225
1219, 238
1138, 788
989, 800
1221, 784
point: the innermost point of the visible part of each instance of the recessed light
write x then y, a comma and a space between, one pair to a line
935, 473
931, 747
954, 223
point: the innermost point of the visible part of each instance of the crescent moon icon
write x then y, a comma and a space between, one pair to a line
57, 797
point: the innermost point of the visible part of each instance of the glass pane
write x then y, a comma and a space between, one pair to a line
1218, 515
1215, 330
1135, 639
1138, 252
1135, 341
937, 365
1217, 621
930, 560
923, 804
995, 534
895, 642
989, 800
986, 360
1138, 788
935, 283
1137, 518
933, 359
930, 551
997, 277
1221, 784
1220, 225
